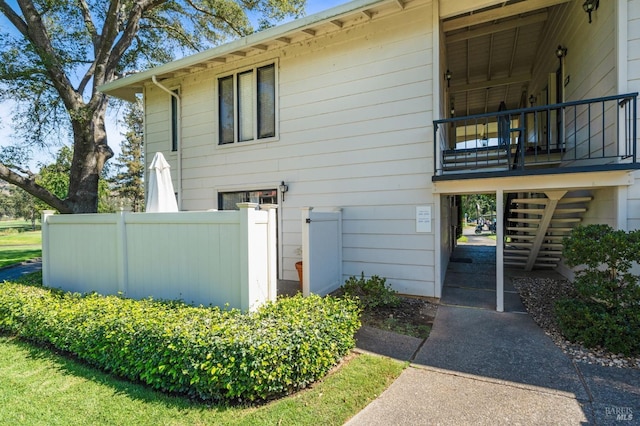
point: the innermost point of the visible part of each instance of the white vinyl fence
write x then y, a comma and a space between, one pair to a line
208, 258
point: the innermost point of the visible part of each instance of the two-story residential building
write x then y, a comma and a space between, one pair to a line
391, 109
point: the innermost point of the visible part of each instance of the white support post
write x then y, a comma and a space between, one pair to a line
499, 251
438, 272
272, 252
622, 219
46, 247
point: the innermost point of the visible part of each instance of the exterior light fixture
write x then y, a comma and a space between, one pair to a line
447, 76
561, 52
532, 100
283, 189
452, 109
590, 6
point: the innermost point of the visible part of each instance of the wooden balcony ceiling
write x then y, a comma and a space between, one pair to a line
491, 53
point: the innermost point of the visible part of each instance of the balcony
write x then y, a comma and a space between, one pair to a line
579, 136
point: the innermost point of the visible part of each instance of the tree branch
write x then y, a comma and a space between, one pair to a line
30, 186
216, 16
14, 18
35, 30
88, 22
129, 33
87, 78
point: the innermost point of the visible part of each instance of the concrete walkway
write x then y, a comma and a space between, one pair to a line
481, 367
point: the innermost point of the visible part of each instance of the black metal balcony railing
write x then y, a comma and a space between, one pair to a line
594, 133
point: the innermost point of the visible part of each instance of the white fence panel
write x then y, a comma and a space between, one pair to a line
72, 256
208, 258
321, 251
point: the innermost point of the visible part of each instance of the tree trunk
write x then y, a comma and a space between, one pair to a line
90, 153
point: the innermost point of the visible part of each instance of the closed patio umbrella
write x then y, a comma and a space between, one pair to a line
160, 195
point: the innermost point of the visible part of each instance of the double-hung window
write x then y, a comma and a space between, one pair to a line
247, 105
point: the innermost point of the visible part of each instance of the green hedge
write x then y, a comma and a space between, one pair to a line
606, 309
208, 353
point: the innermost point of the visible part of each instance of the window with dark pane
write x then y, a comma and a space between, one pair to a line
174, 122
226, 110
266, 81
228, 200
245, 106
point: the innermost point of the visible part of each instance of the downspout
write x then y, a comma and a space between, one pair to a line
178, 134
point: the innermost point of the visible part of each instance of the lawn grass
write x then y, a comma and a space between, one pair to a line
38, 387
17, 225
18, 243
33, 238
16, 254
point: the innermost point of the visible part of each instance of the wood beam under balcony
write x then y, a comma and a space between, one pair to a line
498, 13
490, 83
496, 28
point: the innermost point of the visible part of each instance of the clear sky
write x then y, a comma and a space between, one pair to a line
114, 132
314, 6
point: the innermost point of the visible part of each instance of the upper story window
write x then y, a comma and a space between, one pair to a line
174, 121
247, 105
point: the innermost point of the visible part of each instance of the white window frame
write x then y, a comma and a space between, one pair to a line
234, 74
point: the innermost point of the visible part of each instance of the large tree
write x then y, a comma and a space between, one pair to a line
56, 53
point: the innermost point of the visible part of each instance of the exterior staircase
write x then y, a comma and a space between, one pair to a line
536, 226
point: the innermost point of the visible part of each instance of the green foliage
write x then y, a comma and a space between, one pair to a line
208, 353
606, 311
371, 292
478, 204
128, 182
22, 204
55, 178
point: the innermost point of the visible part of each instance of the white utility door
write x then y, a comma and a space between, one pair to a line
321, 251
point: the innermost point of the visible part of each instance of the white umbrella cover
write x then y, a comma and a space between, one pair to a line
160, 195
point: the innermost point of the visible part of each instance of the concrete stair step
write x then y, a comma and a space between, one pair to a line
535, 220
544, 201
570, 211
566, 219
523, 252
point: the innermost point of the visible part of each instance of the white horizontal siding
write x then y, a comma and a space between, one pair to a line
633, 75
590, 63
355, 131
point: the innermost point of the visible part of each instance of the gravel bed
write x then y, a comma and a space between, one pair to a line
538, 296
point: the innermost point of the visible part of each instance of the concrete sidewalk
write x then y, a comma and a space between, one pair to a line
480, 367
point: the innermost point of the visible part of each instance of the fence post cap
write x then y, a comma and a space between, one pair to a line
247, 205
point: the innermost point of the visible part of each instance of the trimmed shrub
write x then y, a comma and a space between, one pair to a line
606, 311
371, 292
208, 353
